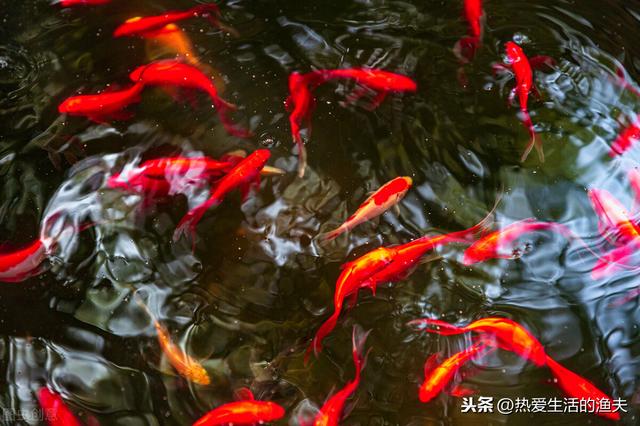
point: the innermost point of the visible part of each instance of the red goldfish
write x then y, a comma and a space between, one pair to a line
465, 48
576, 386
355, 275
140, 25
174, 73
20, 265
613, 216
244, 175
247, 412
184, 364
518, 62
331, 411
435, 379
71, 3
496, 245
379, 202
509, 335
629, 136
634, 181
104, 106
301, 102
56, 411
620, 258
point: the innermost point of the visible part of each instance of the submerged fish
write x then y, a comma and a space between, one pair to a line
331, 412
438, 377
22, 264
387, 196
56, 411
509, 335
629, 136
103, 107
178, 74
71, 3
246, 412
183, 363
614, 222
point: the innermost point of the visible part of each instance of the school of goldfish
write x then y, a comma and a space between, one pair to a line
159, 178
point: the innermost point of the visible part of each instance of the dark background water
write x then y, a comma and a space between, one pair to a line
257, 287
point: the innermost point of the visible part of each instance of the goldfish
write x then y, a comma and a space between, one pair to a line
435, 379
140, 25
300, 103
521, 66
509, 335
183, 363
20, 265
71, 3
243, 175
174, 73
105, 106
379, 202
629, 136
56, 411
174, 40
497, 244
617, 259
246, 412
331, 412
465, 48
576, 386
613, 216
354, 276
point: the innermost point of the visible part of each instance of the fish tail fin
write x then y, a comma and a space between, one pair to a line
358, 339
465, 49
302, 155
533, 140
443, 328
316, 344
331, 235
484, 224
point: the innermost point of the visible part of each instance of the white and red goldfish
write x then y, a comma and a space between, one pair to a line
182, 362
387, 196
177, 74
331, 412
248, 411
244, 175
103, 107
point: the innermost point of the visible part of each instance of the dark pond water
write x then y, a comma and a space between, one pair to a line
250, 297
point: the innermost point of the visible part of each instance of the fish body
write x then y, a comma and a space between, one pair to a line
243, 175
474, 14
331, 412
519, 64
509, 335
576, 386
355, 275
379, 202
20, 265
71, 3
57, 412
437, 378
495, 244
613, 216
184, 364
140, 25
629, 136
374, 79
104, 106
175, 73
248, 412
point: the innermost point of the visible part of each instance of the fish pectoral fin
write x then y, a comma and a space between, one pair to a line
396, 209
431, 258
352, 301
243, 394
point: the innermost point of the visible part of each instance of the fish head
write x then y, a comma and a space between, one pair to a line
514, 52
197, 374
71, 105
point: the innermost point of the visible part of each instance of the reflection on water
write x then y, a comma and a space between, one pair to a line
247, 301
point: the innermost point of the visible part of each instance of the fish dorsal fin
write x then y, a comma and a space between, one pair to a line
243, 394
431, 363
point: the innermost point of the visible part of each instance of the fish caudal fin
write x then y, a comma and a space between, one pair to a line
327, 327
358, 339
436, 326
533, 141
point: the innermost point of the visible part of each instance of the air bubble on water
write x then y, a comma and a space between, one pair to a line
521, 38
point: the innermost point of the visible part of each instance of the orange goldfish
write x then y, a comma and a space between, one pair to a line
331, 411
